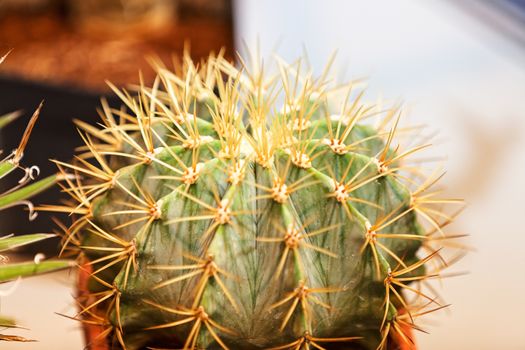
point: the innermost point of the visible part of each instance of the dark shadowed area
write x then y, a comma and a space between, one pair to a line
63, 52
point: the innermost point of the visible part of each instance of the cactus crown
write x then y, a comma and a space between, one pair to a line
211, 218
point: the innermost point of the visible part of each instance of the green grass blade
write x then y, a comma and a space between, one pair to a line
8, 322
8, 242
6, 167
27, 191
25, 269
8, 118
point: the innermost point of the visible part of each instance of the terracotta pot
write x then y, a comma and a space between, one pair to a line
92, 332
96, 342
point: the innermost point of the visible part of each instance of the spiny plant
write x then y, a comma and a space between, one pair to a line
20, 195
207, 217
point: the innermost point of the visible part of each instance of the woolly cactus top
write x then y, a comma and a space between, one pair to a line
227, 208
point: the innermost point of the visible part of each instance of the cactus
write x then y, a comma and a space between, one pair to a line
208, 217
20, 195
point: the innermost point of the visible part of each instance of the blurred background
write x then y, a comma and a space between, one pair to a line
459, 67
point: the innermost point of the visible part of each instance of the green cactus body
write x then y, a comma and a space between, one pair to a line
213, 221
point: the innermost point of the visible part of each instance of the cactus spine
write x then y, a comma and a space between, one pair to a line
211, 218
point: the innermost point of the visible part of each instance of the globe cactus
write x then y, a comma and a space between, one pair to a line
208, 217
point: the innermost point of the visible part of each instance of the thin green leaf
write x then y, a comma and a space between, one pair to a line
8, 118
6, 167
8, 322
27, 191
9, 242
25, 269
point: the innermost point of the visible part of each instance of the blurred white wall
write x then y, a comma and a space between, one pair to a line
460, 78
35, 304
